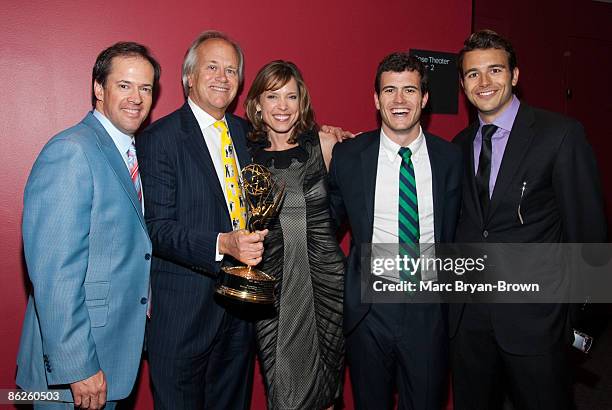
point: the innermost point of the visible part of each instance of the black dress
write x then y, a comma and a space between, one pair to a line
301, 348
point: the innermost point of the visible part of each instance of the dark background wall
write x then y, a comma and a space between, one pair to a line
564, 50
47, 49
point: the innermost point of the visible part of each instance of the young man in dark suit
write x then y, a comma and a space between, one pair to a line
516, 155
396, 346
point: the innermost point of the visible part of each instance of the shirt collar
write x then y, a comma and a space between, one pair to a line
391, 149
506, 118
204, 119
122, 141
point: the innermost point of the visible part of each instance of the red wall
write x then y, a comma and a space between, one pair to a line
47, 49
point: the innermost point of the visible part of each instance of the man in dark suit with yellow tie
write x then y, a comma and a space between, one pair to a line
200, 354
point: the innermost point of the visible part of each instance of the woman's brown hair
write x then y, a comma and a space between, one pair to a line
271, 77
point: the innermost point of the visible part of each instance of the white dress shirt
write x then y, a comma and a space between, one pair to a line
212, 138
387, 190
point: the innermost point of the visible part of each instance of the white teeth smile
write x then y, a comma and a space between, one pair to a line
220, 89
399, 111
281, 117
486, 93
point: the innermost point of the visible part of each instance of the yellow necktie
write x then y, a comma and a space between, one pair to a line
233, 190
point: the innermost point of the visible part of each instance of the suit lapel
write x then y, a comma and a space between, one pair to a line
196, 147
468, 155
518, 144
438, 167
114, 159
369, 166
238, 139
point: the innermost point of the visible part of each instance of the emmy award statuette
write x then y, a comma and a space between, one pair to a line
264, 197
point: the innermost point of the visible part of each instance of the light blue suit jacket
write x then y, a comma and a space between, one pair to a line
88, 256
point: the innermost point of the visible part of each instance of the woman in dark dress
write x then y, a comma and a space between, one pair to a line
301, 348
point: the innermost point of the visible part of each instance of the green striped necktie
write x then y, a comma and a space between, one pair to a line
408, 210
408, 217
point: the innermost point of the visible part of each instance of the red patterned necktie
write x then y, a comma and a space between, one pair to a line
133, 167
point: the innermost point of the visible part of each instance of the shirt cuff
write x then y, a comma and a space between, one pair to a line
218, 256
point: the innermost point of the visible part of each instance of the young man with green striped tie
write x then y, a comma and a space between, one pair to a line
396, 185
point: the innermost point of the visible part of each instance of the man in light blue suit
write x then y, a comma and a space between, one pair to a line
86, 244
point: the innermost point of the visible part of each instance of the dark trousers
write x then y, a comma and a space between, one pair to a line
219, 378
403, 348
483, 372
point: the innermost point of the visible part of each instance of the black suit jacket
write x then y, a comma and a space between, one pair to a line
185, 210
562, 202
352, 178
